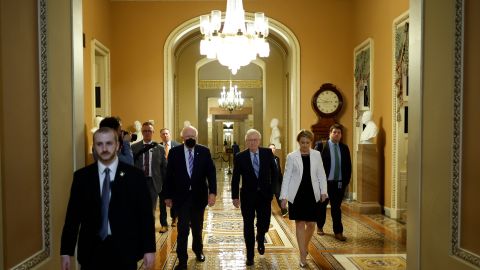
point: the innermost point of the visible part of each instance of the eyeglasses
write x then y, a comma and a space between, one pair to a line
147, 131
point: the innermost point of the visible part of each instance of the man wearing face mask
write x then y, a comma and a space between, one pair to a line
190, 185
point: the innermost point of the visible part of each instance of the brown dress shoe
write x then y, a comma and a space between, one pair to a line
163, 229
340, 237
320, 232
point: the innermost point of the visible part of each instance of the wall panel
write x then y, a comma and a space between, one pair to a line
26, 235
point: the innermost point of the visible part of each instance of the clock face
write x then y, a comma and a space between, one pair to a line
327, 102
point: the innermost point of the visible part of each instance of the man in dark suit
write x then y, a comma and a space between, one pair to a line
191, 185
167, 144
256, 167
277, 183
149, 156
338, 168
235, 148
110, 212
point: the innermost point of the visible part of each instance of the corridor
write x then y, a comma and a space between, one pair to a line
373, 241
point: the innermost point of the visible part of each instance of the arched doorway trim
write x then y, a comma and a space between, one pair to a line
293, 64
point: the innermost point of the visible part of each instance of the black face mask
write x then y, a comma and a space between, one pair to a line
190, 143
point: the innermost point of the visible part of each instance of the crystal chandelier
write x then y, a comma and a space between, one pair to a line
231, 100
238, 43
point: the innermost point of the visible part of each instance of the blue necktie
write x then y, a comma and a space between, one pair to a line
105, 202
190, 161
336, 168
256, 165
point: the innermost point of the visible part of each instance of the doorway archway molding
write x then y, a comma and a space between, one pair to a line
284, 34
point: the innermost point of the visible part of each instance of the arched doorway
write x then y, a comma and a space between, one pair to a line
190, 31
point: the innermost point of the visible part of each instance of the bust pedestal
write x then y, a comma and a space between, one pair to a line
369, 187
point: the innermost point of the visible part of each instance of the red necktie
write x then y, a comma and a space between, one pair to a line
146, 161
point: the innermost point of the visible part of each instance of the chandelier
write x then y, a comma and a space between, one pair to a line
231, 100
238, 43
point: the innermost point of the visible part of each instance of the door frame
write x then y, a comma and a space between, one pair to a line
397, 105
98, 49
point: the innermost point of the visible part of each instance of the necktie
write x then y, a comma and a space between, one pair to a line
146, 161
105, 202
336, 168
166, 150
256, 165
190, 161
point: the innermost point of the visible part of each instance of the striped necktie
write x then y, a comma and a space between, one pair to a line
256, 164
190, 161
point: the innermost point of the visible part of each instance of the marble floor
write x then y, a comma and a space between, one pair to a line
373, 241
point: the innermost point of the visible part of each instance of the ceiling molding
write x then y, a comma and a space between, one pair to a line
218, 84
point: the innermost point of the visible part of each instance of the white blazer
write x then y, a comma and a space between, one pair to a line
294, 171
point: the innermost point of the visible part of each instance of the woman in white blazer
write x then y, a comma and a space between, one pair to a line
304, 184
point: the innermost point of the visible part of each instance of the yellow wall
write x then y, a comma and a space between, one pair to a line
20, 157
96, 25
374, 19
186, 99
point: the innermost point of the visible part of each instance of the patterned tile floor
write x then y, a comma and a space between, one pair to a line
373, 242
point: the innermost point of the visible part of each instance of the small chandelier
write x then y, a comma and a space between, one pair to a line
231, 100
238, 43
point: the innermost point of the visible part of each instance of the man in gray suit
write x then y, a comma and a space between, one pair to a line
150, 157
167, 144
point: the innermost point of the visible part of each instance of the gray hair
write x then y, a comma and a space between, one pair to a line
252, 131
189, 127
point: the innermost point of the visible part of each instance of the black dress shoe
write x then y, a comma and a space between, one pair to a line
261, 245
200, 257
261, 248
249, 262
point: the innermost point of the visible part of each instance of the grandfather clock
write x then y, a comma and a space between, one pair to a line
327, 103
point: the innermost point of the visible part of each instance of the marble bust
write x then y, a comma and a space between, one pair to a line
138, 130
275, 136
370, 131
96, 121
